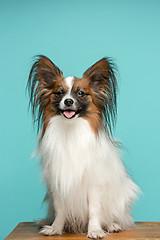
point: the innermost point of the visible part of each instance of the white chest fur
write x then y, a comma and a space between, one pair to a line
67, 149
70, 151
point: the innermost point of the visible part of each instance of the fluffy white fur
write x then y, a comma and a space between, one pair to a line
86, 178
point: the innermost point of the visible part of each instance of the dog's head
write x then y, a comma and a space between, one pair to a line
92, 97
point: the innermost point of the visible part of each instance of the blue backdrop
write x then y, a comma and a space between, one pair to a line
75, 34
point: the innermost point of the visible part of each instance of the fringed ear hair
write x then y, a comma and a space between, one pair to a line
103, 81
42, 78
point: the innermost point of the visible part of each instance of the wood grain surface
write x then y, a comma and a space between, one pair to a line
141, 231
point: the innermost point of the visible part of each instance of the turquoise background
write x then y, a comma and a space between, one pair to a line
75, 34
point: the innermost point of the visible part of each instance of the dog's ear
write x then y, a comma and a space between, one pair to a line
43, 75
44, 72
102, 79
100, 74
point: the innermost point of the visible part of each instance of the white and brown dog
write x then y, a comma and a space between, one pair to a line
88, 188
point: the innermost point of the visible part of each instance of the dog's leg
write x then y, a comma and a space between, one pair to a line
94, 227
58, 224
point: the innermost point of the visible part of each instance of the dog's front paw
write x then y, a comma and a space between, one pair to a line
96, 234
114, 228
50, 230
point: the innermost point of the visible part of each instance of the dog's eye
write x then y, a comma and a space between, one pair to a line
81, 93
59, 93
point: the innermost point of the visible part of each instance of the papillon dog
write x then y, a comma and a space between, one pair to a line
88, 188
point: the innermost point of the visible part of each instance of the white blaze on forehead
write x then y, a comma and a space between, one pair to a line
69, 82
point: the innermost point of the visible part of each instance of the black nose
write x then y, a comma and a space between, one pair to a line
68, 102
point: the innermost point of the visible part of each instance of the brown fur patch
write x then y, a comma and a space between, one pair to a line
102, 81
93, 115
43, 78
49, 111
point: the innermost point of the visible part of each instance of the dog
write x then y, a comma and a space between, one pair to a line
88, 188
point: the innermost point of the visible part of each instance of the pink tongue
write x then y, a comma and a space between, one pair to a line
69, 114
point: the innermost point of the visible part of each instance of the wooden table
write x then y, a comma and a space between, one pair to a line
142, 230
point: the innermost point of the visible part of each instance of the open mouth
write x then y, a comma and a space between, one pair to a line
68, 113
